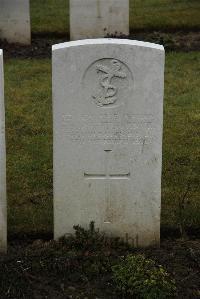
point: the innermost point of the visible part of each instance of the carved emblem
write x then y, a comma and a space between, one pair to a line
107, 95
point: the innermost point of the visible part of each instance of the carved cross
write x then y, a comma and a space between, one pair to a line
107, 176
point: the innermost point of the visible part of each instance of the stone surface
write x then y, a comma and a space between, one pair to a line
3, 216
107, 113
98, 18
15, 21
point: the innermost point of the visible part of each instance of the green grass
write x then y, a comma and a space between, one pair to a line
52, 16
181, 156
164, 14
29, 142
49, 16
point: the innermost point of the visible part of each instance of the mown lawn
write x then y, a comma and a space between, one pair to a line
164, 14
29, 143
52, 16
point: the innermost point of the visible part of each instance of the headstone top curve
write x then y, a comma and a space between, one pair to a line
107, 41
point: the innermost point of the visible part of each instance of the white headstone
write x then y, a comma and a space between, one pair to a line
15, 21
3, 216
108, 113
98, 18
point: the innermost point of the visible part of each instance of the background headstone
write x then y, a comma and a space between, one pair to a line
98, 18
3, 210
15, 21
108, 111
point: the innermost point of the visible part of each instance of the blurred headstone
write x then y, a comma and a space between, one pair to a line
15, 21
98, 18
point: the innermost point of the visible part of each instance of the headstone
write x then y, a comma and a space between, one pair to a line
108, 113
15, 21
98, 18
3, 216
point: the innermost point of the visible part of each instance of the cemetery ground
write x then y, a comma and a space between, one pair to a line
36, 266
29, 175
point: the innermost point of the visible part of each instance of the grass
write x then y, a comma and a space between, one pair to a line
181, 156
29, 142
164, 14
52, 16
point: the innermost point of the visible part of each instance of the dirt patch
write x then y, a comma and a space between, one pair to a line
41, 45
182, 260
48, 269
39, 48
176, 41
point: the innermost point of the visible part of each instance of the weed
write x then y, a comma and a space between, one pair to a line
142, 278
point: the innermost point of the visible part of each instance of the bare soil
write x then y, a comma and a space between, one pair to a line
48, 269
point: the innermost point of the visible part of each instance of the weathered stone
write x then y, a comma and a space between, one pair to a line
98, 18
15, 21
108, 112
3, 213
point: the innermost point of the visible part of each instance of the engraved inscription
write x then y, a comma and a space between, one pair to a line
109, 128
107, 176
108, 93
